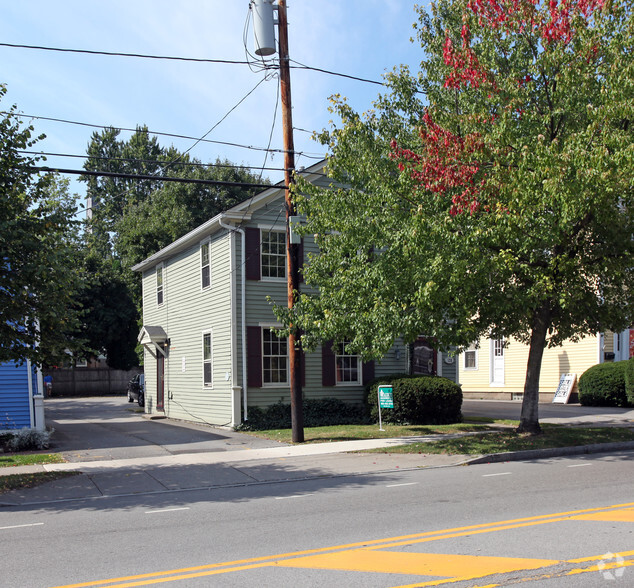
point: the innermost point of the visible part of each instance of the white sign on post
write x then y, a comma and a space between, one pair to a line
566, 384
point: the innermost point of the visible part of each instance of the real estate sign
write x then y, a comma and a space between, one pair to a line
386, 400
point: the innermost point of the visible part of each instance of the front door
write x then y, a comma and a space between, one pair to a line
423, 358
160, 382
497, 364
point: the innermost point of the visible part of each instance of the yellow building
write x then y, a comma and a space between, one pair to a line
496, 369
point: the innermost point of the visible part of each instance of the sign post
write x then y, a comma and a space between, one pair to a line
386, 400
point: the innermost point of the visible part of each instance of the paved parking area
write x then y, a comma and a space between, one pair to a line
105, 428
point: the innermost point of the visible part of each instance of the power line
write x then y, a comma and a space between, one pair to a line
334, 73
119, 54
152, 161
159, 133
83, 172
260, 65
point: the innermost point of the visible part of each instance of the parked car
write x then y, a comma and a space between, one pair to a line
136, 389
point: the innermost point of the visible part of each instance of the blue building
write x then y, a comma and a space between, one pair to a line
21, 396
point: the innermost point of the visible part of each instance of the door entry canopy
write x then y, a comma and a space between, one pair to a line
154, 339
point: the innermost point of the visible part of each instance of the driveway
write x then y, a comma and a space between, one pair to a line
105, 428
570, 414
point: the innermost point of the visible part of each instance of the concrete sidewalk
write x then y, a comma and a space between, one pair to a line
233, 461
138, 476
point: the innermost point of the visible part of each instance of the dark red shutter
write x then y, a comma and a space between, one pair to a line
327, 364
254, 357
368, 372
252, 246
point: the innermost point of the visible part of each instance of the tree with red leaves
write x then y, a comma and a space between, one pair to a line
490, 195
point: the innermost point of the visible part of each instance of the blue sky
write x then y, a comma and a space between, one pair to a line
363, 38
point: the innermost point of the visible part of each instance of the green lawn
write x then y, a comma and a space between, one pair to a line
509, 440
8, 460
497, 437
355, 432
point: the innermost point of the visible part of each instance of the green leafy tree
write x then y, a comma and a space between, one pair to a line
132, 219
490, 195
38, 255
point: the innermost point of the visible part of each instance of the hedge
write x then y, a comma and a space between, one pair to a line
603, 385
318, 412
418, 400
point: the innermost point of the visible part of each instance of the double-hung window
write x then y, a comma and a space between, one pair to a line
273, 254
471, 357
159, 284
274, 358
348, 366
207, 360
205, 265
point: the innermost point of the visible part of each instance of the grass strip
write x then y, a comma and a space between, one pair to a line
9, 460
356, 432
509, 440
18, 481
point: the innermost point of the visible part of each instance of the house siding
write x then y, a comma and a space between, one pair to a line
188, 312
15, 407
570, 358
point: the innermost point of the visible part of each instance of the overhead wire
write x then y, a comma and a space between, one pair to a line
152, 161
159, 133
83, 172
265, 65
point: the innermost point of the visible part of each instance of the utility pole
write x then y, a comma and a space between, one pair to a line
292, 249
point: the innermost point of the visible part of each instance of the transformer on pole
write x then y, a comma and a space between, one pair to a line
263, 27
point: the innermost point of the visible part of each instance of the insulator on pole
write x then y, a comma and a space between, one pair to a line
263, 27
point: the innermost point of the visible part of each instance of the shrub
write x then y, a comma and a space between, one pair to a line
603, 385
418, 400
27, 439
629, 381
318, 412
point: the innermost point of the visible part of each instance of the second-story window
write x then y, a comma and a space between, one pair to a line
273, 254
159, 284
205, 265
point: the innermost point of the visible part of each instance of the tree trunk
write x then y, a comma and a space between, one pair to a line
529, 419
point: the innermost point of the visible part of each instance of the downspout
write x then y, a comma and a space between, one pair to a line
243, 328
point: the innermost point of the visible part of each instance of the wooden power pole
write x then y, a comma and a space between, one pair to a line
292, 249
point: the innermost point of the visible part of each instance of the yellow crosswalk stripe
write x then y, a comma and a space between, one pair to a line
421, 564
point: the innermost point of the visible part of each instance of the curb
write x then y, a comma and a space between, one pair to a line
552, 452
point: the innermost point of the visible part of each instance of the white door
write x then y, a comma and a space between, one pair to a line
497, 362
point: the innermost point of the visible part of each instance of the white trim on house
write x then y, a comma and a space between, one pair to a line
205, 243
278, 384
203, 335
161, 290
600, 348
475, 349
497, 362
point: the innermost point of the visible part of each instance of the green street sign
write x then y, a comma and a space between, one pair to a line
386, 399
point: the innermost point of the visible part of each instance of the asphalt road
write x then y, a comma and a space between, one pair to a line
501, 524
